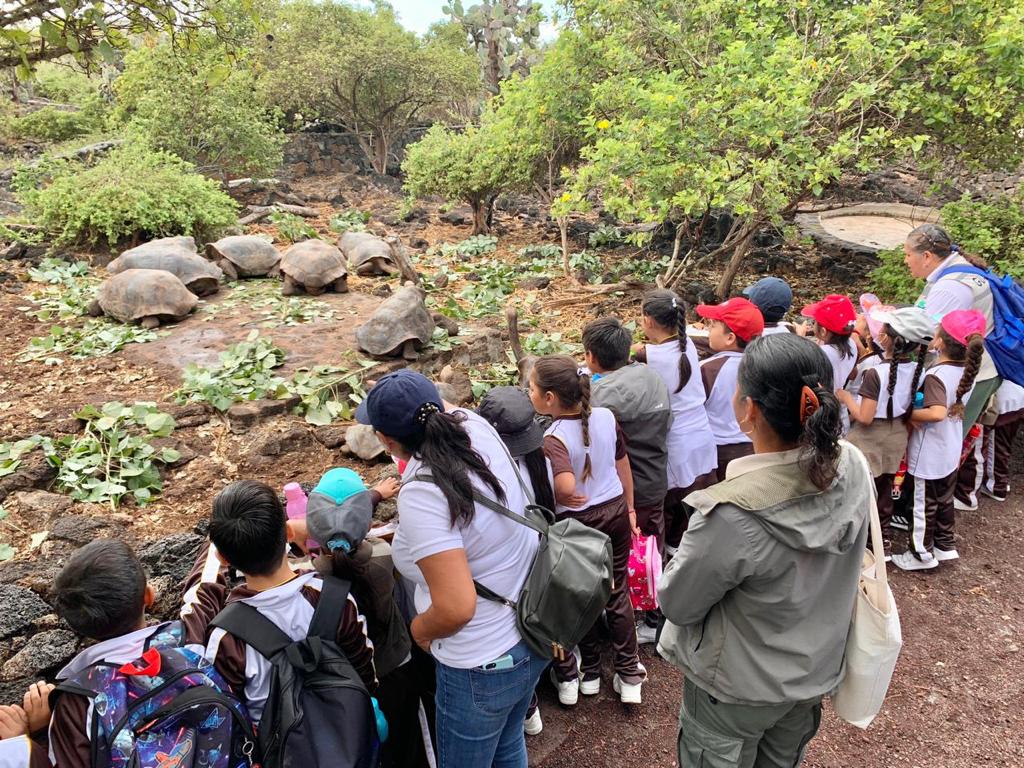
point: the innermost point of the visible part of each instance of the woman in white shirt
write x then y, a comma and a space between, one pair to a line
445, 541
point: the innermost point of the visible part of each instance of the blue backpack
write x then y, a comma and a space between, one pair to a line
168, 709
1005, 344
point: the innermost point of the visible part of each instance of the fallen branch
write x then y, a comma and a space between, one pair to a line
401, 259
260, 212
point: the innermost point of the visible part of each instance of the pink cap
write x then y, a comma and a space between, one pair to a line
961, 324
869, 303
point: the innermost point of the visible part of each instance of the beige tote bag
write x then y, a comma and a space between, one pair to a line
875, 638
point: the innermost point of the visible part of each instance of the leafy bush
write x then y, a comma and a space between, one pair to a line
541, 251
97, 337
477, 245
53, 124
59, 82
245, 372
291, 227
891, 280
992, 228
604, 235
132, 192
349, 221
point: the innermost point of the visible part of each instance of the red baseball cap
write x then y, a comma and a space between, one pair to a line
743, 317
834, 312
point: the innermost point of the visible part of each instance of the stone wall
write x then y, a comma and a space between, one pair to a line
992, 184
319, 153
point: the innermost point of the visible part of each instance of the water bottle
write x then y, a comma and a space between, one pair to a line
919, 400
295, 508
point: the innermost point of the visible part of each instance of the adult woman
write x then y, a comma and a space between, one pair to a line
760, 594
445, 541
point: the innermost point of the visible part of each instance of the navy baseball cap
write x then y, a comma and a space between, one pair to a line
395, 404
773, 297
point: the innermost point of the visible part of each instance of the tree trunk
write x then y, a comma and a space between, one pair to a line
739, 254
666, 277
563, 230
381, 150
480, 216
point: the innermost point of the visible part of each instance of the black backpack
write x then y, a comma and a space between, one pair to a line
318, 712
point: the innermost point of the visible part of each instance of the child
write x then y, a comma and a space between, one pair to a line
593, 484
834, 322
933, 454
692, 458
774, 297
987, 467
638, 399
510, 412
882, 411
734, 324
18, 723
249, 532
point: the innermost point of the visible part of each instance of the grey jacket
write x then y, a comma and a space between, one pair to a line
761, 592
639, 399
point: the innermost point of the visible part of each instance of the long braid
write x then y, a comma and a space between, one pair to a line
922, 354
974, 351
685, 369
894, 372
585, 421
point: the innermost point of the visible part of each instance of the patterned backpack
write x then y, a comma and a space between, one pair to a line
168, 709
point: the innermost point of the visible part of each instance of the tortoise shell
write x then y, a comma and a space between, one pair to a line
251, 255
366, 252
401, 318
134, 294
176, 255
313, 263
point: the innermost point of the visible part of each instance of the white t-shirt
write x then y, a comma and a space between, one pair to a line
690, 442
719, 373
603, 485
842, 366
780, 327
500, 551
934, 449
1009, 397
878, 389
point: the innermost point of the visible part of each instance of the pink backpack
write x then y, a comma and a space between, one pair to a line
644, 572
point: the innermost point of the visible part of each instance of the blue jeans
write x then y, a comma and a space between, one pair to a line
480, 713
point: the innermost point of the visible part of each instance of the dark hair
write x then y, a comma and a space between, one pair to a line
355, 568
932, 237
560, 375
608, 341
101, 590
669, 311
903, 350
443, 445
841, 341
248, 527
970, 355
537, 469
773, 373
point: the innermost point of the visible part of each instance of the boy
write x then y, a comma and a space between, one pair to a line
774, 297
249, 532
639, 399
734, 324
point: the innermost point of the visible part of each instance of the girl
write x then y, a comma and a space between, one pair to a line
834, 322
445, 540
933, 454
593, 484
883, 409
692, 458
759, 595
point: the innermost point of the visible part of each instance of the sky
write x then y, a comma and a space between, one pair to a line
418, 15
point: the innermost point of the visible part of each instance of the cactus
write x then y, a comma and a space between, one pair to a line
504, 33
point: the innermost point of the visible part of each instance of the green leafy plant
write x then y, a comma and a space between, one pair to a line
992, 228
441, 341
586, 261
327, 393
892, 281
132, 192
264, 297
70, 289
477, 245
53, 124
349, 221
96, 337
11, 453
292, 228
497, 375
245, 372
540, 252
539, 343
605, 235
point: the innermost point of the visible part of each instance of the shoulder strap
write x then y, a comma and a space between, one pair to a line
329, 609
494, 506
966, 270
253, 628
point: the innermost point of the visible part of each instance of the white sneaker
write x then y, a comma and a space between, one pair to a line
628, 693
992, 494
645, 635
959, 506
900, 522
907, 562
590, 687
943, 555
533, 724
568, 692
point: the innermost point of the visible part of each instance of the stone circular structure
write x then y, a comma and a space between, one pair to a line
865, 227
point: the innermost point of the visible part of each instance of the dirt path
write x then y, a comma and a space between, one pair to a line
955, 701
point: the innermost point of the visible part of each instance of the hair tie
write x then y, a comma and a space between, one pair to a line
424, 411
675, 305
581, 371
809, 403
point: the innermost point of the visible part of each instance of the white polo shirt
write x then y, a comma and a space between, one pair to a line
934, 448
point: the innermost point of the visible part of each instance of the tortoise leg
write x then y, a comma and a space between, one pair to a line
409, 350
94, 309
291, 288
150, 322
275, 271
386, 268
228, 269
341, 284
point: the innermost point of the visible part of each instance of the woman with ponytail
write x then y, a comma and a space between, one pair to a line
692, 455
881, 411
445, 541
760, 594
936, 443
593, 484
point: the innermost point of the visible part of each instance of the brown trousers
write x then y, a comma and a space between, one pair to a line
989, 463
932, 521
677, 516
609, 518
726, 453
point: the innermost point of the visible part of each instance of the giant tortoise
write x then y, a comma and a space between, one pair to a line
176, 255
146, 296
313, 266
367, 254
398, 326
245, 256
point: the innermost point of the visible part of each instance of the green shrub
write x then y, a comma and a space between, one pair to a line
992, 228
292, 228
132, 192
892, 281
349, 221
52, 124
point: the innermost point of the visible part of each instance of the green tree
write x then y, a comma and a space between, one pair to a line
202, 106
362, 70
504, 33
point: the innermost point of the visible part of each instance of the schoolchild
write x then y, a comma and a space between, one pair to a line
834, 322
774, 297
933, 454
734, 324
986, 469
594, 485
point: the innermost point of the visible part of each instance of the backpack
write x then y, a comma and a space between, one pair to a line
318, 712
168, 709
1005, 344
569, 581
